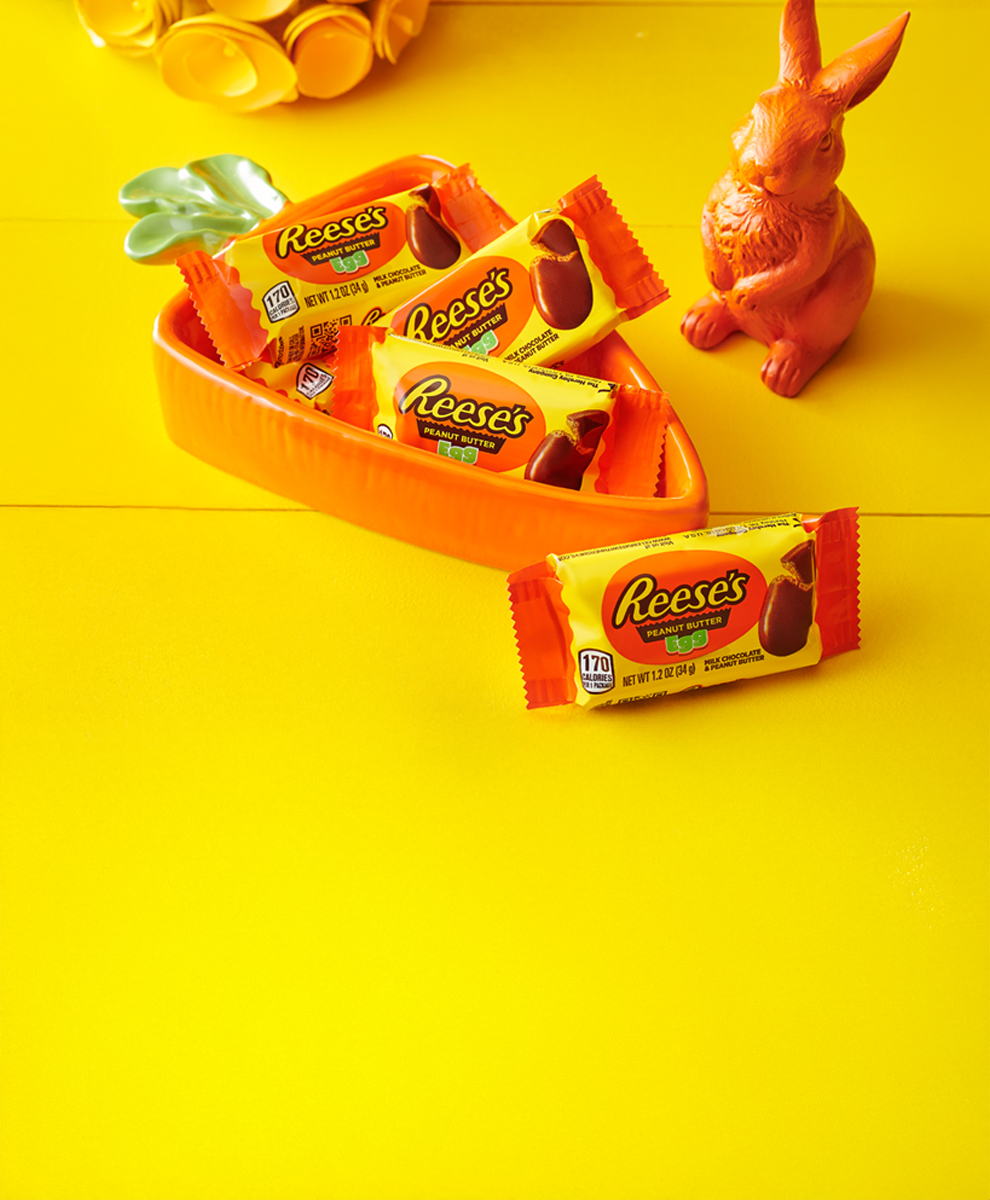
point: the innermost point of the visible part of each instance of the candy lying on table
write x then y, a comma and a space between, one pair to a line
687, 610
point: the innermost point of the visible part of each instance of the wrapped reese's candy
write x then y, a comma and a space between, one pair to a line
310, 383
542, 292
531, 422
283, 293
687, 610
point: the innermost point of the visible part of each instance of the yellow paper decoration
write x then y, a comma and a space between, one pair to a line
130, 26
226, 62
395, 23
331, 47
212, 51
254, 10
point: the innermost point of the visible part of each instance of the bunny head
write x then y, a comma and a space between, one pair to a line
790, 146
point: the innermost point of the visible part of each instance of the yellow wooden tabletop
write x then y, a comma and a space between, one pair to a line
299, 901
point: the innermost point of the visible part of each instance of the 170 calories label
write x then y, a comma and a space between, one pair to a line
597, 671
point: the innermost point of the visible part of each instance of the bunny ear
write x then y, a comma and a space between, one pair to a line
861, 70
800, 53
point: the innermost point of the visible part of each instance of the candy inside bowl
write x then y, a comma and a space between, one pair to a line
301, 453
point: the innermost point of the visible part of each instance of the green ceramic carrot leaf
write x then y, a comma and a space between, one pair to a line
200, 206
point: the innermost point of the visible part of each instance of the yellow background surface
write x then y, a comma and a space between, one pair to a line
298, 900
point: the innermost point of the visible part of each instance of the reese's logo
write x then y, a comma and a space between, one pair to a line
438, 324
487, 298
643, 599
354, 242
303, 239
433, 399
468, 406
681, 594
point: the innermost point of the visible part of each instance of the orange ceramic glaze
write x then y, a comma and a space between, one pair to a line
790, 260
251, 431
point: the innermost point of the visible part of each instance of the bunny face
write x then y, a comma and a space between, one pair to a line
790, 145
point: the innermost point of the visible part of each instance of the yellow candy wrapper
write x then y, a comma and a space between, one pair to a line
544, 291
687, 610
282, 294
546, 426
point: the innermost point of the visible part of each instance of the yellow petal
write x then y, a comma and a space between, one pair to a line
333, 54
116, 19
206, 66
222, 61
395, 23
254, 10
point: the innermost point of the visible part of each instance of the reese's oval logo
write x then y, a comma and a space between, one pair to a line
467, 406
483, 306
352, 243
676, 595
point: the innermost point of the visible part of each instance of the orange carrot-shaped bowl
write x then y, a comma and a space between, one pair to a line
256, 433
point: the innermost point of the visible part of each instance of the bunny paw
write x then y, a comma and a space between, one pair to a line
708, 322
789, 366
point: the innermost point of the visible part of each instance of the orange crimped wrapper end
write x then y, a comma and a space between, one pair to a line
540, 618
632, 464
224, 307
354, 399
837, 585
468, 209
614, 250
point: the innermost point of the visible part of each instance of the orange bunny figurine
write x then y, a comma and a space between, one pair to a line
790, 260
